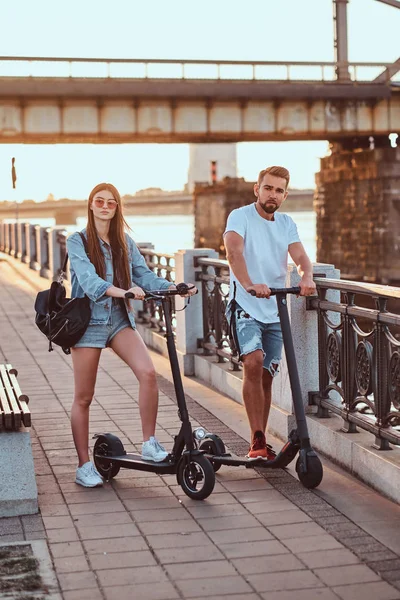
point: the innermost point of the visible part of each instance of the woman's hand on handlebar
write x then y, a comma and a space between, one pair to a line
261, 290
189, 288
137, 292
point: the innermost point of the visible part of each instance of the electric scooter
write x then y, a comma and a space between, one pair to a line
194, 472
308, 465
197, 455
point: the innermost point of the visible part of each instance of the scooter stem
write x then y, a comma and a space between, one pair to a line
292, 369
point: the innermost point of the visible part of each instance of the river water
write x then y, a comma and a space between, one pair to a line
170, 233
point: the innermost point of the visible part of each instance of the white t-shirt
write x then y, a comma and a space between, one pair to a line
266, 254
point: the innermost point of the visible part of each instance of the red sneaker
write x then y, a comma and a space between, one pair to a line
258, 448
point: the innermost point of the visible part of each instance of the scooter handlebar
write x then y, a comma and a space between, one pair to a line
274, 291
181, 290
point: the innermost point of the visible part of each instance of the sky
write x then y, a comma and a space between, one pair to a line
180, 29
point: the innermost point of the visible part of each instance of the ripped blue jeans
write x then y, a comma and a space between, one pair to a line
253, 335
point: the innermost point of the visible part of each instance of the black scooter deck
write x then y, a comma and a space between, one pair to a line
230, 460
135, 461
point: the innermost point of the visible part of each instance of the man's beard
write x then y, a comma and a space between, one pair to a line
269, 208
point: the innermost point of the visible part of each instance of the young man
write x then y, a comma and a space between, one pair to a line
258, 240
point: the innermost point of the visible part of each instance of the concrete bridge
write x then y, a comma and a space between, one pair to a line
174, 101
65, 211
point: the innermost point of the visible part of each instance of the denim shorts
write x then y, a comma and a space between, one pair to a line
251, 335
100, 335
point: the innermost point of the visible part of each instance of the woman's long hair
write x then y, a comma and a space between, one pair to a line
119, 249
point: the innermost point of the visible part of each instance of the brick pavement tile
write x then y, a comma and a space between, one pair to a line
154, 481
121, 560
328, 558
267, 564
284, 517
147, 503
110, 545
64, 549
312, 543
101, 518
384, 565
11, 537
317, 594
229, 522
131, 576
144, 591
109, 504
180, 526
177, 490
269, 495
176, 555
213, 500
283, 532
77, 581
71, 564
90, 594
259, 508
392, 576
62, 535
58, 510
168, 514
50, 499
215, 585
288, 580
35, 535
243, 485
233, 597
364, 543
367, 591
376, 556
229, 536
248, 549
57, 522
173, 540
204, 511
10, 525
346, 575
200, 569
104, 531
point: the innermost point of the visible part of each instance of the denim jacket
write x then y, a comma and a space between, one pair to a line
85, 281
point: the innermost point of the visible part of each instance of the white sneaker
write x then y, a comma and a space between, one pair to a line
88, 476
152, 450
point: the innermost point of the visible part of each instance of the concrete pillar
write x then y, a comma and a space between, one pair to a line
56, 236
189, 322
200, 157
358, 213
304, 328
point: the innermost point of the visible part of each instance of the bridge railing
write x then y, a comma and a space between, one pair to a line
143, 68
358, 330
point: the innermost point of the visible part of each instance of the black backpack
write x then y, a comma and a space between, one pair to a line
62, 320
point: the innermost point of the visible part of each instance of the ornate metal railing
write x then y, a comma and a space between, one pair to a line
174, 69
163, 265
214, 277
359, 358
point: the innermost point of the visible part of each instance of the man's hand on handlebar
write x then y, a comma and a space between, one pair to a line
307, 287
261, 290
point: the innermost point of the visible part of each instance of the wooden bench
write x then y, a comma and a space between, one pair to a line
14, 411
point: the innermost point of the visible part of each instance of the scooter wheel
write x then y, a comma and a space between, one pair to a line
314, 474
196, 477
105, 446
215, 446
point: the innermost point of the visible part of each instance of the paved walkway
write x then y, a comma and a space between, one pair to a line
257, 536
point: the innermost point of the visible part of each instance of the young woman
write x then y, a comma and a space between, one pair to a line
111, 267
